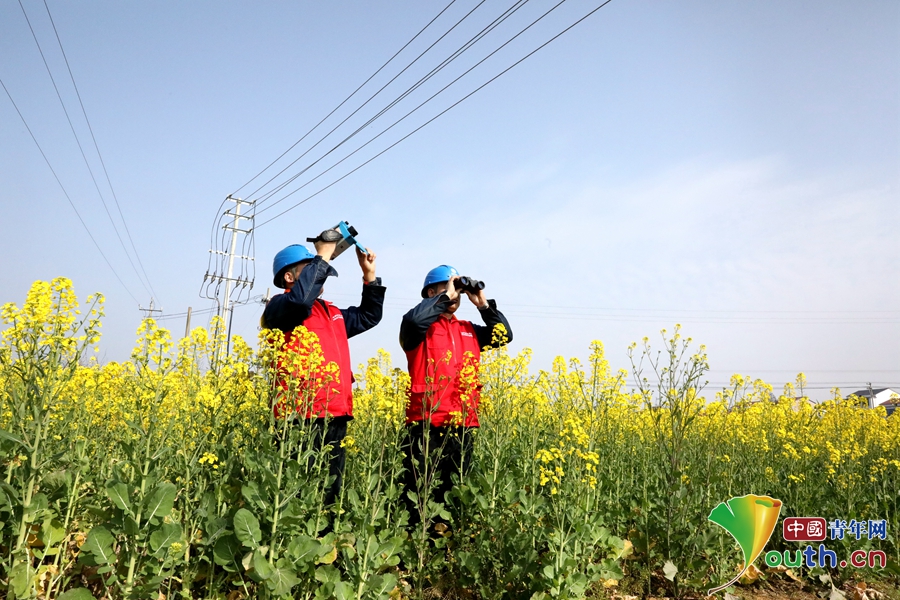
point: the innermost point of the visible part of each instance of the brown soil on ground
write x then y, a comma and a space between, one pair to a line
792, 590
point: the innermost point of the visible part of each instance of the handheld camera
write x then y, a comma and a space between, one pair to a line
344, 233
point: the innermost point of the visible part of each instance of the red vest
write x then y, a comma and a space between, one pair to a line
445, 387
333, 391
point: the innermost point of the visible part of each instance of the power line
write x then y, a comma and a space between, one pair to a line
427, 25
281, 186
795, 371
62, 187
252, 241
819, 386
180, 315
218, 221
671, 313
80, 148
474, 39
99, 154
439, 114
701, 319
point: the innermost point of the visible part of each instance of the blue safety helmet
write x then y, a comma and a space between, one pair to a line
291, 255
437, 275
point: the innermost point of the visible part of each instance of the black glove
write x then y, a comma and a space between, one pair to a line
329, 235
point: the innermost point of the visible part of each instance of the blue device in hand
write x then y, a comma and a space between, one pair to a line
347, 233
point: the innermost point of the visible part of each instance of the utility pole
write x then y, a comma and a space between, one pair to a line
871, 395
187, 323
237, 228
234, 231
149, 311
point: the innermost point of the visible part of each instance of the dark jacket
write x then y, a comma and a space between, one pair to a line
287, 311
416, 322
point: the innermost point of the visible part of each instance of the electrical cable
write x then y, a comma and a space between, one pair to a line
281, 186
100, 155
795, 371
712, 320
453, 56
62, 187
218, 222
439, 114
347, 98
80, 148
429, 99
820, 386
417, 299
473, 40
184, 314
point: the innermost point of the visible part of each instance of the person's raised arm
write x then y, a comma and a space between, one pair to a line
491, 317
367, 315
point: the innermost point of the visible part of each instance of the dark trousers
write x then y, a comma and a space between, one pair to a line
449, 451
324, 432
331, 431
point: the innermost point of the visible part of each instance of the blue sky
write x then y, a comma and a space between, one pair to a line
729, 166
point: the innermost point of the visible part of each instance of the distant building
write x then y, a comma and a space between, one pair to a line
880, 397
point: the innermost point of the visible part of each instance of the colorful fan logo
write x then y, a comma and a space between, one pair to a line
750, 520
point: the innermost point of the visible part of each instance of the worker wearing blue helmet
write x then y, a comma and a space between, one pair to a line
324, 402
443, 354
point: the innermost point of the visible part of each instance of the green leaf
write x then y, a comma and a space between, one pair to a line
131, 527
343, 590
281, 581
118, 493
250, 491
329, 557
670, 570
76, 594
161, 501
38, 504
19, 579
389, 550
13, 438
261, 567
328, 573
215, 528
225, 552
8, 495
165, 536
246, 528
609, 569
380, 585
303, 549
100, 544
52, 532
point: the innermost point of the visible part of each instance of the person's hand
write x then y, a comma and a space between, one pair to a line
366, 263
325, 249
451, 291
479, 299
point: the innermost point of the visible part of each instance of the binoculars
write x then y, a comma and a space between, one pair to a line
469, 284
